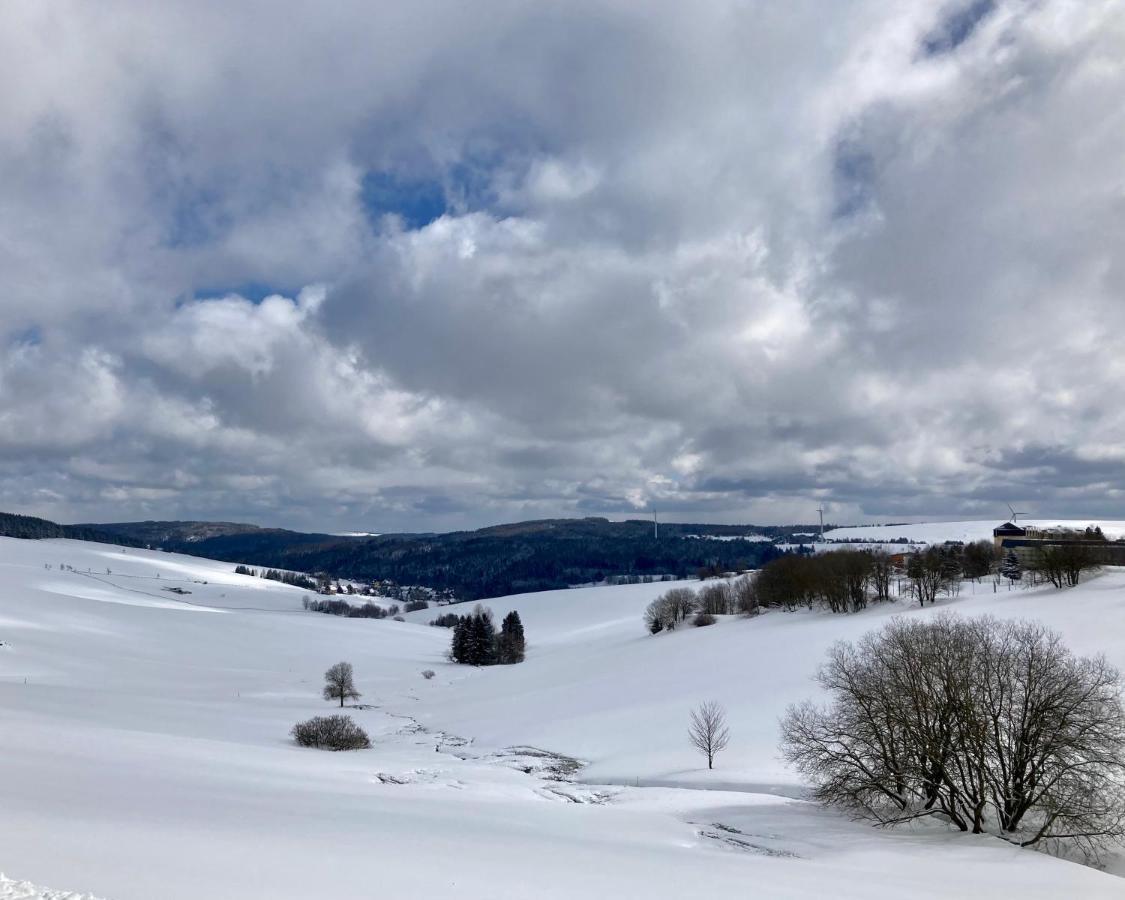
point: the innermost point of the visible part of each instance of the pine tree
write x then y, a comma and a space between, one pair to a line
510, 646
1011, 568
482, 638
459, 646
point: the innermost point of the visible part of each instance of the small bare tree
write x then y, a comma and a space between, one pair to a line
708, 731
339, 683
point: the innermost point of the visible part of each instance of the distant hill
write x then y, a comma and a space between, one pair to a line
32, 528
502, 559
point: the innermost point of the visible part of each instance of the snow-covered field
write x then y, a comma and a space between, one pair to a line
144, 748
976, 530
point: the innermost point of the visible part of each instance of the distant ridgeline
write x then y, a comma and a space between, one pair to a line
31, 528
490, 562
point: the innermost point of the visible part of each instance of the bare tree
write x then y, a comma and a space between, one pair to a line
715, 599
990, 725
669, 609
1063, 564
708, 730
681, 602
881, 569
745, 594
339, 683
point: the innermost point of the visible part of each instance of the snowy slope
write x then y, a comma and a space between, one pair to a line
145, 751
977, 530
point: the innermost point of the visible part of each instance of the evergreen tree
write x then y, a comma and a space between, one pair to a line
510, 646
459, 646
482, 638
1011, 568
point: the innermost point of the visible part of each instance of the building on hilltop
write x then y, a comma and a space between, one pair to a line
1026, 542
1007, 530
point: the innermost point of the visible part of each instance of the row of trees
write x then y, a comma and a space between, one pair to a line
1063, 564
344, 608
715, 599
475, 641
848, 580
295, 578
991, 725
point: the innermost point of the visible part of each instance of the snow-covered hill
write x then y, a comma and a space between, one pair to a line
973, 530
144, 748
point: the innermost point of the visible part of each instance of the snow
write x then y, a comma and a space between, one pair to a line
145, 747
25, 890
753, 538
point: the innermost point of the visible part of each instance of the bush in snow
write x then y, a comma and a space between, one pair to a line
415, 605
702, 619
331, 733
993, 726
427, 674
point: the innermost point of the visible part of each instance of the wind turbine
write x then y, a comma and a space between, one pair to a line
1015, 515
820, 509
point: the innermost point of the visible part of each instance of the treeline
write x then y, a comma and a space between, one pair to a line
1064, 564
475, 641
844, 581
343, 608
297, 579
530, 556
32, 528
847, 580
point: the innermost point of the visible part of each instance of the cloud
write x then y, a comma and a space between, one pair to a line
731, 261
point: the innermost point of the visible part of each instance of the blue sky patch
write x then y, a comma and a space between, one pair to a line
853, 177
956, 27
254, 291
417, 201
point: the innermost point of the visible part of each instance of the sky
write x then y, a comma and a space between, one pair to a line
435, 265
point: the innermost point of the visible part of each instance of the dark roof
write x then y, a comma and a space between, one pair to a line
1008, 528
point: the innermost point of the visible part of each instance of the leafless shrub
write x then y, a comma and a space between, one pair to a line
703, 619
427, 674
331, 733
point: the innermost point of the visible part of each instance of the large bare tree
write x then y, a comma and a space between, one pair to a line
991, 725
708, 730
